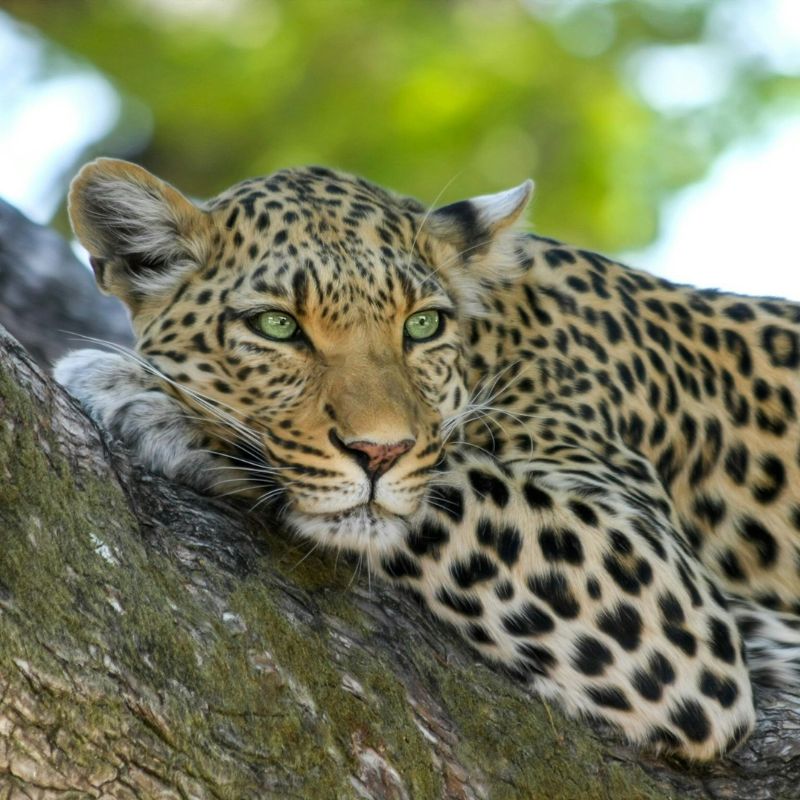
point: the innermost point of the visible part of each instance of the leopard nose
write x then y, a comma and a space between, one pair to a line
375, 458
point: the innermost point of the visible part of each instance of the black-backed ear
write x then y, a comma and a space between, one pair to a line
142, 234
481, 249
476, 222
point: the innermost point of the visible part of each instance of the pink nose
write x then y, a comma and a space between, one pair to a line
379, 457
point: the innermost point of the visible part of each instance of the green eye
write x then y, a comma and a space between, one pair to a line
422, 325
275, 325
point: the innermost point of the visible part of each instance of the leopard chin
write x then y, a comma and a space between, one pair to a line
363, 528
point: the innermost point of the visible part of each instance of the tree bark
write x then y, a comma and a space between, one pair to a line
159, 644
47, 297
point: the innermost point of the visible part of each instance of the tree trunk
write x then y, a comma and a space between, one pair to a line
159, 644
47, 296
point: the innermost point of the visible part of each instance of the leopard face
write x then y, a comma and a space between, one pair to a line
313, 320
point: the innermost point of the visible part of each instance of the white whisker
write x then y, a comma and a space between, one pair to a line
207, 403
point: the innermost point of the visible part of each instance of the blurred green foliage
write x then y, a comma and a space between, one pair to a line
456, 97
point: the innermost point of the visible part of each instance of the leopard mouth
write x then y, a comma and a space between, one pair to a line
365, 504
368, 513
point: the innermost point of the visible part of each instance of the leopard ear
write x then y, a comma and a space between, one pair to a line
142, 234
487, 251
476, 222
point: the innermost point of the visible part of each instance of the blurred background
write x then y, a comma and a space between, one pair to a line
666, 132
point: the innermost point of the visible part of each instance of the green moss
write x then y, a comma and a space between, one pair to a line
59, 589
47, 519
319, 570
518, 742
308, 658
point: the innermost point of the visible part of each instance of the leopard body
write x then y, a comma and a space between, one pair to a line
590, 472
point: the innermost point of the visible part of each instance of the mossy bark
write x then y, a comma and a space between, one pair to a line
157, 644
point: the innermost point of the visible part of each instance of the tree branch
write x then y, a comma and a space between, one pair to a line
46, 294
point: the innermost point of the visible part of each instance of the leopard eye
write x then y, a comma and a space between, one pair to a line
423, 325
274, 325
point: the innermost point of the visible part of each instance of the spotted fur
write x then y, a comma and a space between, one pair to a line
597, 483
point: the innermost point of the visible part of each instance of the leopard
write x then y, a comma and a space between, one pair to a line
589, 472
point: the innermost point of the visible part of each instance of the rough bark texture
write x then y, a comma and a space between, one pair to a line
157, 644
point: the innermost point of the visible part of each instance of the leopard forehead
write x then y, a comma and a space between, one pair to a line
319, 243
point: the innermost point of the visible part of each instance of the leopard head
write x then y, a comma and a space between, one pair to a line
311, 320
